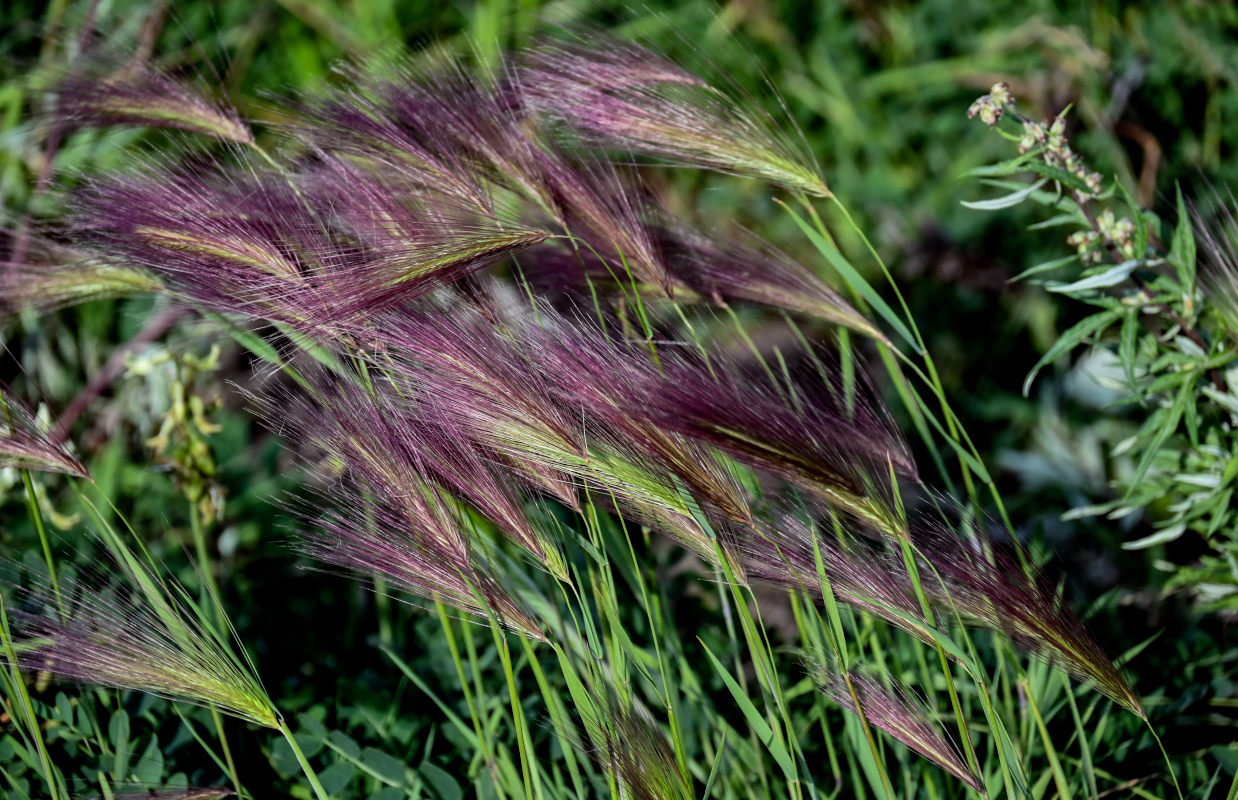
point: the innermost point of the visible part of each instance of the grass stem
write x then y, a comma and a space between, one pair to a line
319, 791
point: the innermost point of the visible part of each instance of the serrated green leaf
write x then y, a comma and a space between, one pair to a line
1067, 179
1059, 220
1126, 348
1164, 383
1163, 432
1009, 167
1190, 418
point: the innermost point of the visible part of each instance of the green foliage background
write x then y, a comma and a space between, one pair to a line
879, 91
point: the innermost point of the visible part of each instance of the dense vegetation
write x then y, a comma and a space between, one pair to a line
572, 401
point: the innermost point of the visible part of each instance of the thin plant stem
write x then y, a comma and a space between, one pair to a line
526, 758
1169, 764
913, 570
36, 516
482, 740
319, 791
656, 635
558, 715
223, 743
932, 379
1054, 765
1000, 734
834, 636
1081, 732
27, 707
210, 588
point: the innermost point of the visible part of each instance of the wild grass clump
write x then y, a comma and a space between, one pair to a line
500, 359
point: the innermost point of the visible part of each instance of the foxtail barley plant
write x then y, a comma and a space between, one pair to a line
500, 357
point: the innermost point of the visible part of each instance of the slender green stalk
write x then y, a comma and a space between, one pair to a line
197, 737
212, 599
319, 791
223, 743
18, 683
835, 636
1006, 754
1055, 766
36, 516
210, 596
954, 431
532, 787
656, 634
558, 716
1085, 748
1168, 764
913, 570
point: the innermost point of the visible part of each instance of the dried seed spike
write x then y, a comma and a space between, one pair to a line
496, 385
23, 444
891, 709
386, 441
77, 279
743, 267
135, 92
415, 542
190, 793
625, 740
129, 640
623, 97
981, 579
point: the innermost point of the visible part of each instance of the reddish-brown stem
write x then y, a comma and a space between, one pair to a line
155, 327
